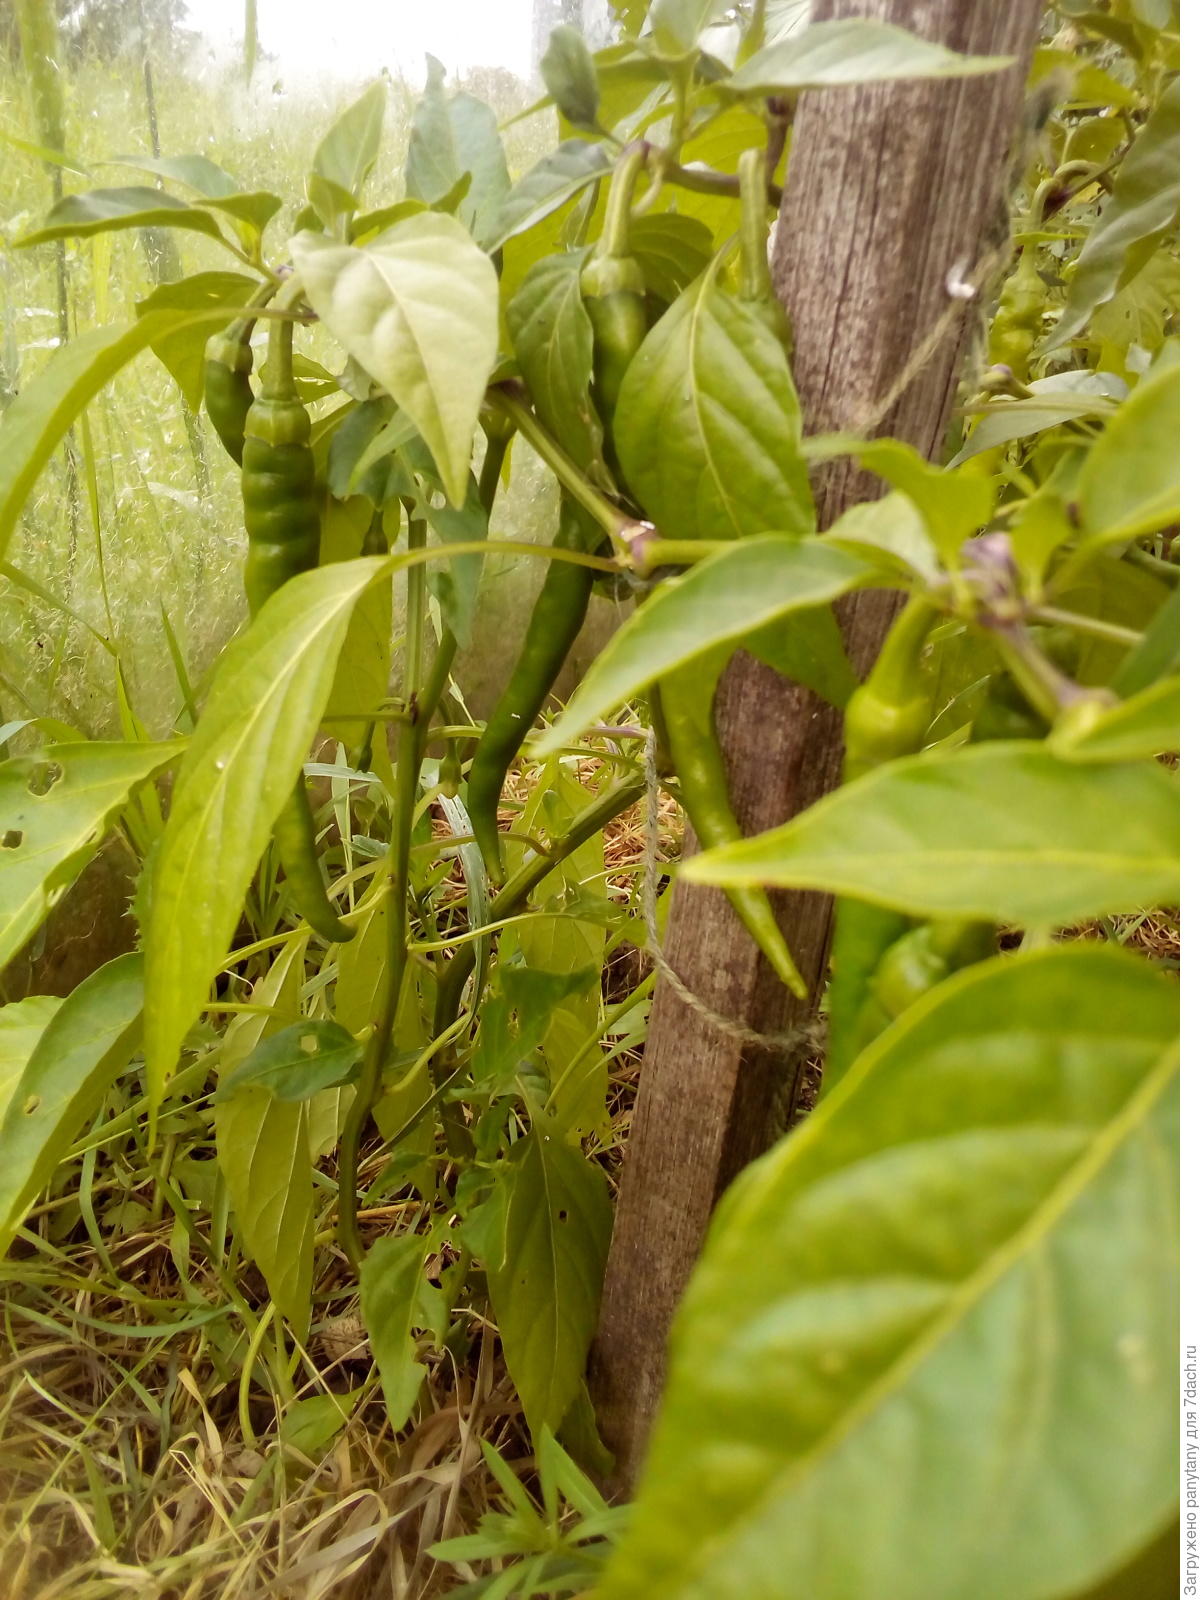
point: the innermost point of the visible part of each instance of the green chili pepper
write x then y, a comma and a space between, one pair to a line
557, 617
696, 755
614, 289
283, 528
1018, 319
756, 290
228, 363
886, 717
915, 963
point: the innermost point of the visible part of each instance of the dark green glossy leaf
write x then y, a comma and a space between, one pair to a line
979, 1222
545, 1284
297, 1062
707, 427
552, 339
1002, 832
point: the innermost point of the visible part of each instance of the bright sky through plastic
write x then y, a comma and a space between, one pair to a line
347, 38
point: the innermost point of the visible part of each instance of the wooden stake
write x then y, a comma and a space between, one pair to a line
894, 191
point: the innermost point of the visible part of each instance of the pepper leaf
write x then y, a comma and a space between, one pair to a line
1003, 832
852, 50
418, 308
980, 1218
708, 425
102, 210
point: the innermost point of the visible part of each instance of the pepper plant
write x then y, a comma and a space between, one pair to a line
955, 1274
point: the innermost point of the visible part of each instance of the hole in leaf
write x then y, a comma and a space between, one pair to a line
310, 1044
12, 839
562, 1216
43, 777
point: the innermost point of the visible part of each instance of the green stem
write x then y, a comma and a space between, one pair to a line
520, 886
614, 239
655, 553
755, 226
608, 516
1098, 628
1165, 571
1039, 680
489, 472
707, 180
408, 763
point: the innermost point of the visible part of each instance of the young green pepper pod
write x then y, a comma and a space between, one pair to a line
228, 363
283, 529
886, 717
614, 289
557, 617
696, 755
755, 289
913, 964
1018, 320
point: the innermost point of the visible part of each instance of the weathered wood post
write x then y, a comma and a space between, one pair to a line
892, 187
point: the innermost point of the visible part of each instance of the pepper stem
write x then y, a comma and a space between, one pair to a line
614, 240
755, 228
278, 382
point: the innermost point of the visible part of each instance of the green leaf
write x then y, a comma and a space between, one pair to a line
954, 505
1002, 832
1129, 483
312, 1424
555, 179
101, 210
853, 50
90, 1039
955, 1279
297, 1062
368, 223
545, 1286
1144, 204
255, 208
708, 425
753, 583
22, 1023
392, 1278
671, 250
56, 807
418, 309
1158, 652
181, 349
807, 647
1147, 724
678, 24
43, 411
263, 1148
346, 154
255, 732
205, 177
1062, 397
552, 339
892, 534
456, 137
569, 73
